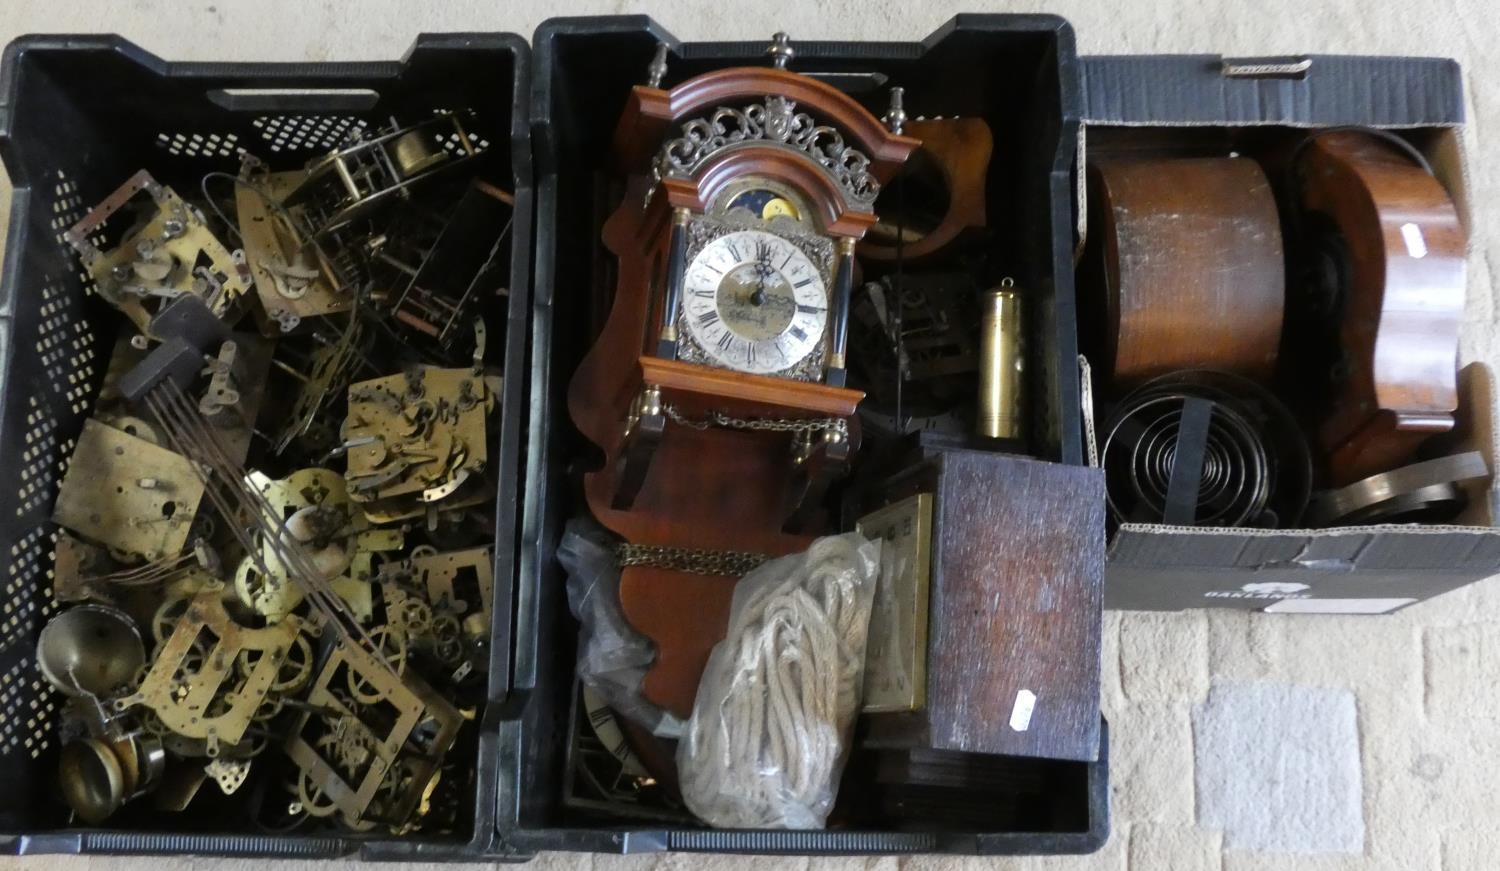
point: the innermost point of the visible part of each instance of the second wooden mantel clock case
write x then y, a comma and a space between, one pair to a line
716, 388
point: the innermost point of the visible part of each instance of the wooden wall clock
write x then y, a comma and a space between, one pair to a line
1388, 252
716, 386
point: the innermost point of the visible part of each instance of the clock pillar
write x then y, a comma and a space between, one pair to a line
666, 346
838, 323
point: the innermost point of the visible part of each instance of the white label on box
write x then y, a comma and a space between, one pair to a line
1416, 246
1337, 606
1020, 713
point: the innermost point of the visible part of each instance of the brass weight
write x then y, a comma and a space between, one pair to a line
1001, 362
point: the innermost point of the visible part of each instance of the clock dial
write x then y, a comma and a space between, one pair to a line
755, 302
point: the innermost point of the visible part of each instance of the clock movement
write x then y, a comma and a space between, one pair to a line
716, 387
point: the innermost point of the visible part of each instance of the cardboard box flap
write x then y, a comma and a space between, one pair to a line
1212, 547
1486, 551
1258, 550
1359, 570
1304, 91
1390, 547
1440, 550
1297, 550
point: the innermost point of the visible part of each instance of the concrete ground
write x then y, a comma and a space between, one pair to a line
1399, 753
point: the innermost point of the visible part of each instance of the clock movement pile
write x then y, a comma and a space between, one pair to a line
274, 556
815, 329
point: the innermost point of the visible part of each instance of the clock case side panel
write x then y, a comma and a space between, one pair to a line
1018, 71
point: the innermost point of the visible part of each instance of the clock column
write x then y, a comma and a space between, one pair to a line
838, 321
666, 346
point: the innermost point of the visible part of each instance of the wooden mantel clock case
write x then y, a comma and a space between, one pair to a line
716, 388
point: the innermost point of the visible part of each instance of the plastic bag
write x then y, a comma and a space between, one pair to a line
612, 657
770, 727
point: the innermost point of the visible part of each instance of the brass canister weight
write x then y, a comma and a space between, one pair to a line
1001, 362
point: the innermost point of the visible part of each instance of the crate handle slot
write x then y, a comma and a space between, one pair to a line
294, 99
1265, 67
852, 82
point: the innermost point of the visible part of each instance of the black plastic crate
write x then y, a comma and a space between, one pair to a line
1018, 71
79, 115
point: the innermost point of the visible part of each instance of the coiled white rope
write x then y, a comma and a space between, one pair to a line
765, 744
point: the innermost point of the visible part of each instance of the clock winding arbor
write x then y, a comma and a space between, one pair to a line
716, 387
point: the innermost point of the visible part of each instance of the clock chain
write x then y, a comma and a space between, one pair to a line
835, 425
718, 563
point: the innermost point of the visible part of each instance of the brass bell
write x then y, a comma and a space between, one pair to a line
98, 776
93, 781
90, 650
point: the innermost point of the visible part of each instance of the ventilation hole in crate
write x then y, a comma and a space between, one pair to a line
67, 206
23, 590
75, 381
52, 606
64, 457
12, 730
451, 142
452, 145
23, 557
41, 464
28, 707
65, 346
199, 144
308, 132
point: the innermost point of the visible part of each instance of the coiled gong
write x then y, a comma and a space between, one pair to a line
1184, 269
1201, 448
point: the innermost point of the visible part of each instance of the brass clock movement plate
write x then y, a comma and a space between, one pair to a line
170, 254
154, 493
289, 278
416, 438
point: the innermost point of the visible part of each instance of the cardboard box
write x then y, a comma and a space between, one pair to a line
1131, 101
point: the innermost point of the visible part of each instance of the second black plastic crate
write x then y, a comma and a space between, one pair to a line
79, 115
1017, 72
